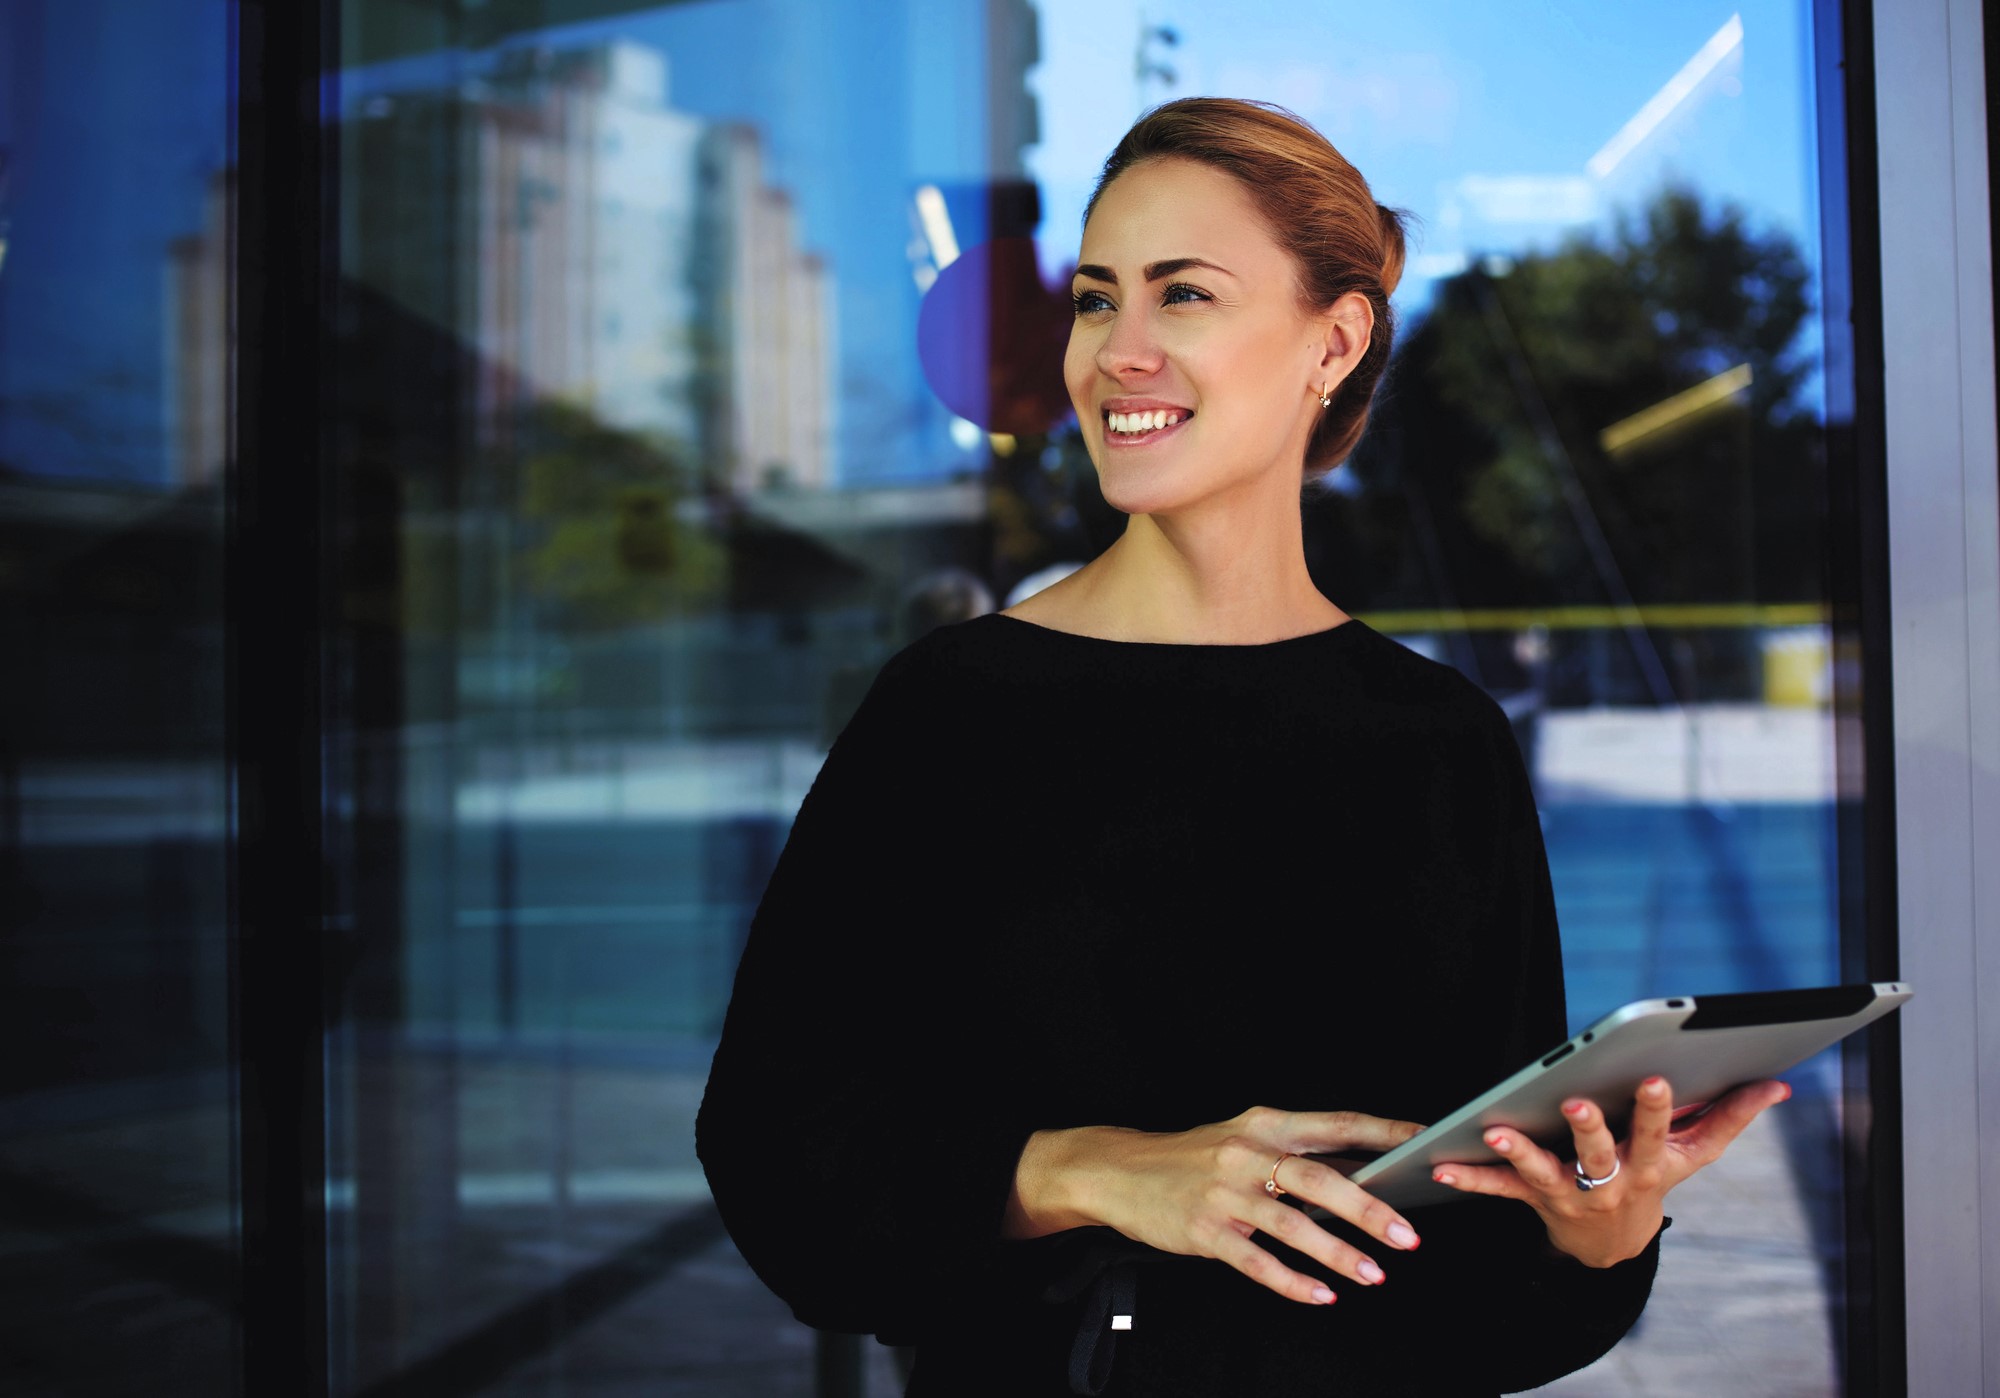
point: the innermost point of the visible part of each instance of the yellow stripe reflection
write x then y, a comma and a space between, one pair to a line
1692, 614
1665, 413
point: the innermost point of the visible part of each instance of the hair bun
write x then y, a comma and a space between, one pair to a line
1392, 222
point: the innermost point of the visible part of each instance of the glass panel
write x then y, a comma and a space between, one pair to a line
118, 1249
667, 419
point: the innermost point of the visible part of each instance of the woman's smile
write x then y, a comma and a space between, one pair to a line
1143, 426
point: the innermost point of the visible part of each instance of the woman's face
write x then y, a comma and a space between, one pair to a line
1186, 305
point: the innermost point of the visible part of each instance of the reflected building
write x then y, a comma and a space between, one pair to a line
581, 200
196, 368
612, 252
769, 307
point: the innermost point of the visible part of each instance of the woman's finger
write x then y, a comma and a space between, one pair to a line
1652, 1118
1291, 1227
1266, 1270
1501, 1181
1330, 1132
1536, 1166
1706, 1139
1343, 1198
1596, 1147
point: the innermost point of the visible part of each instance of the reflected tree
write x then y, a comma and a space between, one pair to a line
606, 544
1491, 439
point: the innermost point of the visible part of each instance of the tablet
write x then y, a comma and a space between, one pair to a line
1703, 1046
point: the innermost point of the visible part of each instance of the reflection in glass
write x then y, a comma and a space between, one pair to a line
694, 363
691, 359
119, 1228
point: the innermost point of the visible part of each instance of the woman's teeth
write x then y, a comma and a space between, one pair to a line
1142, 422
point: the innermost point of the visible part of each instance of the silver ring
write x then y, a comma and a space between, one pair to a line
1584, 1181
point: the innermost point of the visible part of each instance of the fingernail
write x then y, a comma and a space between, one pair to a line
1653, 1085
1443, 1178
1404, 1236
1788, 1093
1574, 1109
1371, 1271
1500, 1143
1322, 1295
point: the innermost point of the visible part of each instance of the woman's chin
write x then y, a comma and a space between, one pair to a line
1135, 490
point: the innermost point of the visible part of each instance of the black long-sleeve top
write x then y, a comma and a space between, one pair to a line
1047, 880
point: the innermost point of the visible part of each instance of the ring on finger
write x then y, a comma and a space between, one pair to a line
1585, 1182
1271, 1186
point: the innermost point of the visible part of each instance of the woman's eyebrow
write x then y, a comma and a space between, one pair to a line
1154, 270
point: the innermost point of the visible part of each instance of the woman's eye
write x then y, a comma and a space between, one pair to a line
1087, 302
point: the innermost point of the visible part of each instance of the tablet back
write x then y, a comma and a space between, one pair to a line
1703, 1045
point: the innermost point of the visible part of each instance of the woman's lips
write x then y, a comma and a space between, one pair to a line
1146, 438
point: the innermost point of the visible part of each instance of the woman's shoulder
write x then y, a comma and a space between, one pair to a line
931, 674
978, 648
1459, 711
1420, 677
932, 658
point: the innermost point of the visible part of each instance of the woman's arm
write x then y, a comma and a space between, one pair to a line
858, 1152
1048, 1192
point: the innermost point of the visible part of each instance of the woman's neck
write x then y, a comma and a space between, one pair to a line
1203, 577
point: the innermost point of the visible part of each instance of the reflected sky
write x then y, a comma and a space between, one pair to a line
1482, 119
112, 118
1475, 116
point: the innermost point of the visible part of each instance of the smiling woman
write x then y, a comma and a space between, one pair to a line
1340, 253
1055, 1124
1232, 323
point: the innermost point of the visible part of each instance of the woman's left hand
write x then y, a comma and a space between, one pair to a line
1614, 1221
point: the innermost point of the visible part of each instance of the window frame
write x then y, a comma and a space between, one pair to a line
1942, 575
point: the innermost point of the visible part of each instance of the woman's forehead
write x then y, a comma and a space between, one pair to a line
1173, 209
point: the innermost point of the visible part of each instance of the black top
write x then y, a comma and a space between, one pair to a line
1049, 880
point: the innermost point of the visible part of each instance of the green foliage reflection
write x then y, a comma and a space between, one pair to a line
607, 545
1501, 397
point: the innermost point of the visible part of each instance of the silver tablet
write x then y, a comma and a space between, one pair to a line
1703, 1045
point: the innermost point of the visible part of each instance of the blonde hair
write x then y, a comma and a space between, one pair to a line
1319, 209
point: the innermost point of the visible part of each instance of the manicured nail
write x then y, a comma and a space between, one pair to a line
1323, 1296
1575, 1109
1371, 1271
1442, 1177
1500, 1143
1404, 1236
1654, 1086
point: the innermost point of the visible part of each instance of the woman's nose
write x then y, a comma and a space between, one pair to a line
1131, 346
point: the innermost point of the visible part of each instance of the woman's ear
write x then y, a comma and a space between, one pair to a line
1344, 331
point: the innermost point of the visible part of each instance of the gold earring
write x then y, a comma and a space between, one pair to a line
1325, 396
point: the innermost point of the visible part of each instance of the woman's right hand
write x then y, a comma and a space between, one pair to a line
1201, 1192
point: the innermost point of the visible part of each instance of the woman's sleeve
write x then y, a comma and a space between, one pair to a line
857, 1158
1530, 1315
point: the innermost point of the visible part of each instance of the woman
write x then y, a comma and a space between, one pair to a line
1099, 902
